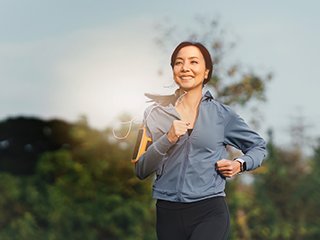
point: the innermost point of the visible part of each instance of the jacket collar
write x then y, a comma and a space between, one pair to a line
207, 96
170, 108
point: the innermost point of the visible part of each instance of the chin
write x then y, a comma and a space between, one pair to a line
188, 87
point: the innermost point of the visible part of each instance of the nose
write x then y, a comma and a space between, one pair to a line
185, 67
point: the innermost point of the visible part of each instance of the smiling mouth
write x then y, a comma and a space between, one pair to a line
186, 77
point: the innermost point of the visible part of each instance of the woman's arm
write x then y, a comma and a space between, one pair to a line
239, 135
149, 162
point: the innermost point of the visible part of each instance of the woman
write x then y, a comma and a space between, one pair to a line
190, 132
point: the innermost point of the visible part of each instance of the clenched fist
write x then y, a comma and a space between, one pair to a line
228, 168
177, 129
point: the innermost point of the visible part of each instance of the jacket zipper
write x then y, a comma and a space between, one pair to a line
185, 162
183, 172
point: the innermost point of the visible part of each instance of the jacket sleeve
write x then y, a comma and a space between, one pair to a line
149, 162
239, 135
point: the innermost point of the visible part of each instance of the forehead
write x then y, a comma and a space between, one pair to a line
189, 51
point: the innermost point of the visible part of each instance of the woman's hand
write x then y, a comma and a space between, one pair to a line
178, 128
228, 168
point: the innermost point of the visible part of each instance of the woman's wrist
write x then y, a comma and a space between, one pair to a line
172, 138
242, 163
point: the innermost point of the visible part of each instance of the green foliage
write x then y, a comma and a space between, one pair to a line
86, 192
89, 191
284, 200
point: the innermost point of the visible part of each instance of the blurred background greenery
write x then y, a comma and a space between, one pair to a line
63, 180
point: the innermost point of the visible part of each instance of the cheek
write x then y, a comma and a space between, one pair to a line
199, 74
174, 74
203, 73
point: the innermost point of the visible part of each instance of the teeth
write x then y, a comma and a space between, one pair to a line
186, 78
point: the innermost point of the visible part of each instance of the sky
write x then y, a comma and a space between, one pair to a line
65, 59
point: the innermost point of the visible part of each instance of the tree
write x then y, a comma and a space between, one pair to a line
277, 210
310, 195
85, 191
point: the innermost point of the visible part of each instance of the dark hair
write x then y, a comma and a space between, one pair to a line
205, 53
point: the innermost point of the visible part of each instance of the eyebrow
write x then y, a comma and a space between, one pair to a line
188, 58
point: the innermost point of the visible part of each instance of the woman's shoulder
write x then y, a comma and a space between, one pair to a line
158, 101
149, 110
224, 110
216, 103
162, 100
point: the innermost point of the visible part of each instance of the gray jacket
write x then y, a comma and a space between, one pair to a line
185, 171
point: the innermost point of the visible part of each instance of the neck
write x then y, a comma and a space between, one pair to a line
192, 98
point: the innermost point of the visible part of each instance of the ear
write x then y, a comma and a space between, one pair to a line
206, 73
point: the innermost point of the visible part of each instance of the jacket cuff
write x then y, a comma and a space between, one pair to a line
250, 164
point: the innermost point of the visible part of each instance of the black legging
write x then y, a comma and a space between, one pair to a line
203, 220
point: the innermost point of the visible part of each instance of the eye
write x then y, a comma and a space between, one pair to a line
178, 63
194, 62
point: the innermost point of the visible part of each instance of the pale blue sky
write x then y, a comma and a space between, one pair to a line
67, 58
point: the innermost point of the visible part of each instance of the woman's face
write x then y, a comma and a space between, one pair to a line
189, 69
